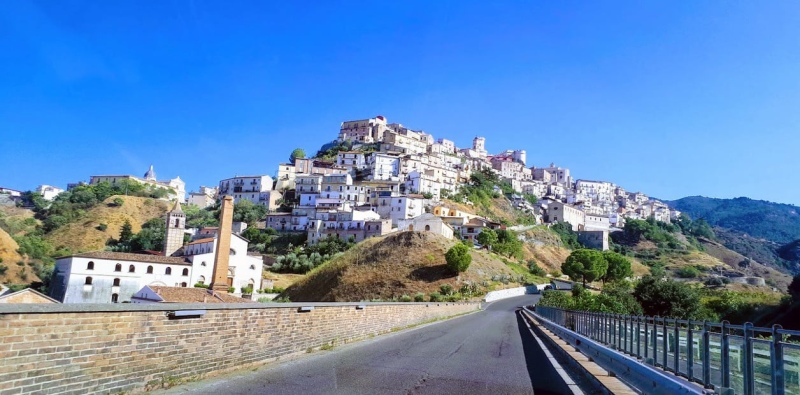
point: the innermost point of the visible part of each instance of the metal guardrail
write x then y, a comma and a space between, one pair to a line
745, 359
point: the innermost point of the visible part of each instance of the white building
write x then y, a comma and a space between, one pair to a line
48, 192
383, 167
357, 224
560, 212
400, 207
426, 223
245, 188
205, 197
175, 186
364, 131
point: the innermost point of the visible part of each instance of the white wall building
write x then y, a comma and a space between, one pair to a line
426, 223
48, 192
245, 188
400, 207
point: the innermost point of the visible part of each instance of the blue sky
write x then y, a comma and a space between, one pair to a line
669, 98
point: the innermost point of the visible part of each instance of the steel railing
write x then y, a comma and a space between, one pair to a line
744, 358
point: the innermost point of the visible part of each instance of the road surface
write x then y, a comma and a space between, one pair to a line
488, 352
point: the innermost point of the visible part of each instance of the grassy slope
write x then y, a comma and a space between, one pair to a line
83, 234
399, 264
10, 258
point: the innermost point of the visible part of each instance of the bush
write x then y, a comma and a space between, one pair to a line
201, 285
688, 272
458, 258
535, 269
436, 297
231, 290
405, 298
446, 289
118, 202
3, 269
102, 227
419, 297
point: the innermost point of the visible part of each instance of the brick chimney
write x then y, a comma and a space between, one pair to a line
219, 282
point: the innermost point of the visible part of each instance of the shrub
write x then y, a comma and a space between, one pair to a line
118, 202
3, 269
405, 298
688, 272
231, 290
458, 258
446, 289
20, 263
419, 297
102, 227
436, 297
535, 269
247, 290
454, 298
201, 285
263, 299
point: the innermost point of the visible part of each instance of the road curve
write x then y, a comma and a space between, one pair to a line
489, 352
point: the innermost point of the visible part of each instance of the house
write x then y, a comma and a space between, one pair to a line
251, 188
594, 239
426, 223
358, 224
562, 212
472, 228
48, 192
364, 130
399, 207
27, 295
159, 294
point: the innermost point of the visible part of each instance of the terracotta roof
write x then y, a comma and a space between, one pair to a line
202, 241
194, 295
126, 256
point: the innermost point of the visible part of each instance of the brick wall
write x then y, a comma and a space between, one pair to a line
80, 349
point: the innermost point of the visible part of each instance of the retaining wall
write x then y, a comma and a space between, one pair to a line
112, 348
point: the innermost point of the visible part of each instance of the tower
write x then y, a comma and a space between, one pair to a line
219, 278
479, 145
176, 223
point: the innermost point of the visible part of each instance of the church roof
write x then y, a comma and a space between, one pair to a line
151, 174
177, 207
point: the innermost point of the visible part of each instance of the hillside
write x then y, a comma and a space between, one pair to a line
85, 234
758, 218
16, 270
399, 264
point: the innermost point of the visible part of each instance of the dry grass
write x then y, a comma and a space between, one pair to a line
399, 264
83, 235
11, 259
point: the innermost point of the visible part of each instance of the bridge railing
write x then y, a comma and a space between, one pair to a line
744, 358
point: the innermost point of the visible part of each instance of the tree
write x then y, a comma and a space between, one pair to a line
487, 237
458, 258
794, 287
298, 153
126, 233
619, 267
667, 298
585, 265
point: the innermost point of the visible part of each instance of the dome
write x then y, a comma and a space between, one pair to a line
150, 175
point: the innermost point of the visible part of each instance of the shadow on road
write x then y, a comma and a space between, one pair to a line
544, 378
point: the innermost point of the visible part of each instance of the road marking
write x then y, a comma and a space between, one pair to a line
561, 372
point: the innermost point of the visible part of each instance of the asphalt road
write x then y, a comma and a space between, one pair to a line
489, 352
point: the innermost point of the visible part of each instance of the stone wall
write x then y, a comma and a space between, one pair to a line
112, 348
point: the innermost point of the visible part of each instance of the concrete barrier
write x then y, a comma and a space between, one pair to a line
512, 292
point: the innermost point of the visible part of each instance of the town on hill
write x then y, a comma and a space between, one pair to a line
374, 180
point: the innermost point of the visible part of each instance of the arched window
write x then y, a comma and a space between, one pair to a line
116, 282
150, 270
252, 267
131, 269
114, 298
183, 285
118, 268
201, 280
203, 263
168, 271
185, 272
233, 252
230, 272
427, 227
177, 222
88, 281
90, 265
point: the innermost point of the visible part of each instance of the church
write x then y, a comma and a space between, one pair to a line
114, 277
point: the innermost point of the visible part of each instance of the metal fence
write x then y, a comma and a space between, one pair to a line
744, 358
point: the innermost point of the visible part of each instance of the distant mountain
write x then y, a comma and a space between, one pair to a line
758, 229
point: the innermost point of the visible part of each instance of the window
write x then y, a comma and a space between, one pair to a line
131, 269
118, 268
201, 280
90, 265
183, 285
114, 298
252, 267
203, 264
233, 252
168, 271
88, 281
427, 227
150, 270
177, 222
185, 272
116, 282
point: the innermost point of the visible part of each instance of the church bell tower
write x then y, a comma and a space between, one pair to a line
176, 224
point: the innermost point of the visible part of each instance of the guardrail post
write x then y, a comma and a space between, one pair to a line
726, 359
677, 346
628, 341
705, 352
776, 361
689, 351
664, 343
646, 338
747, 359
654, 335
638, 336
